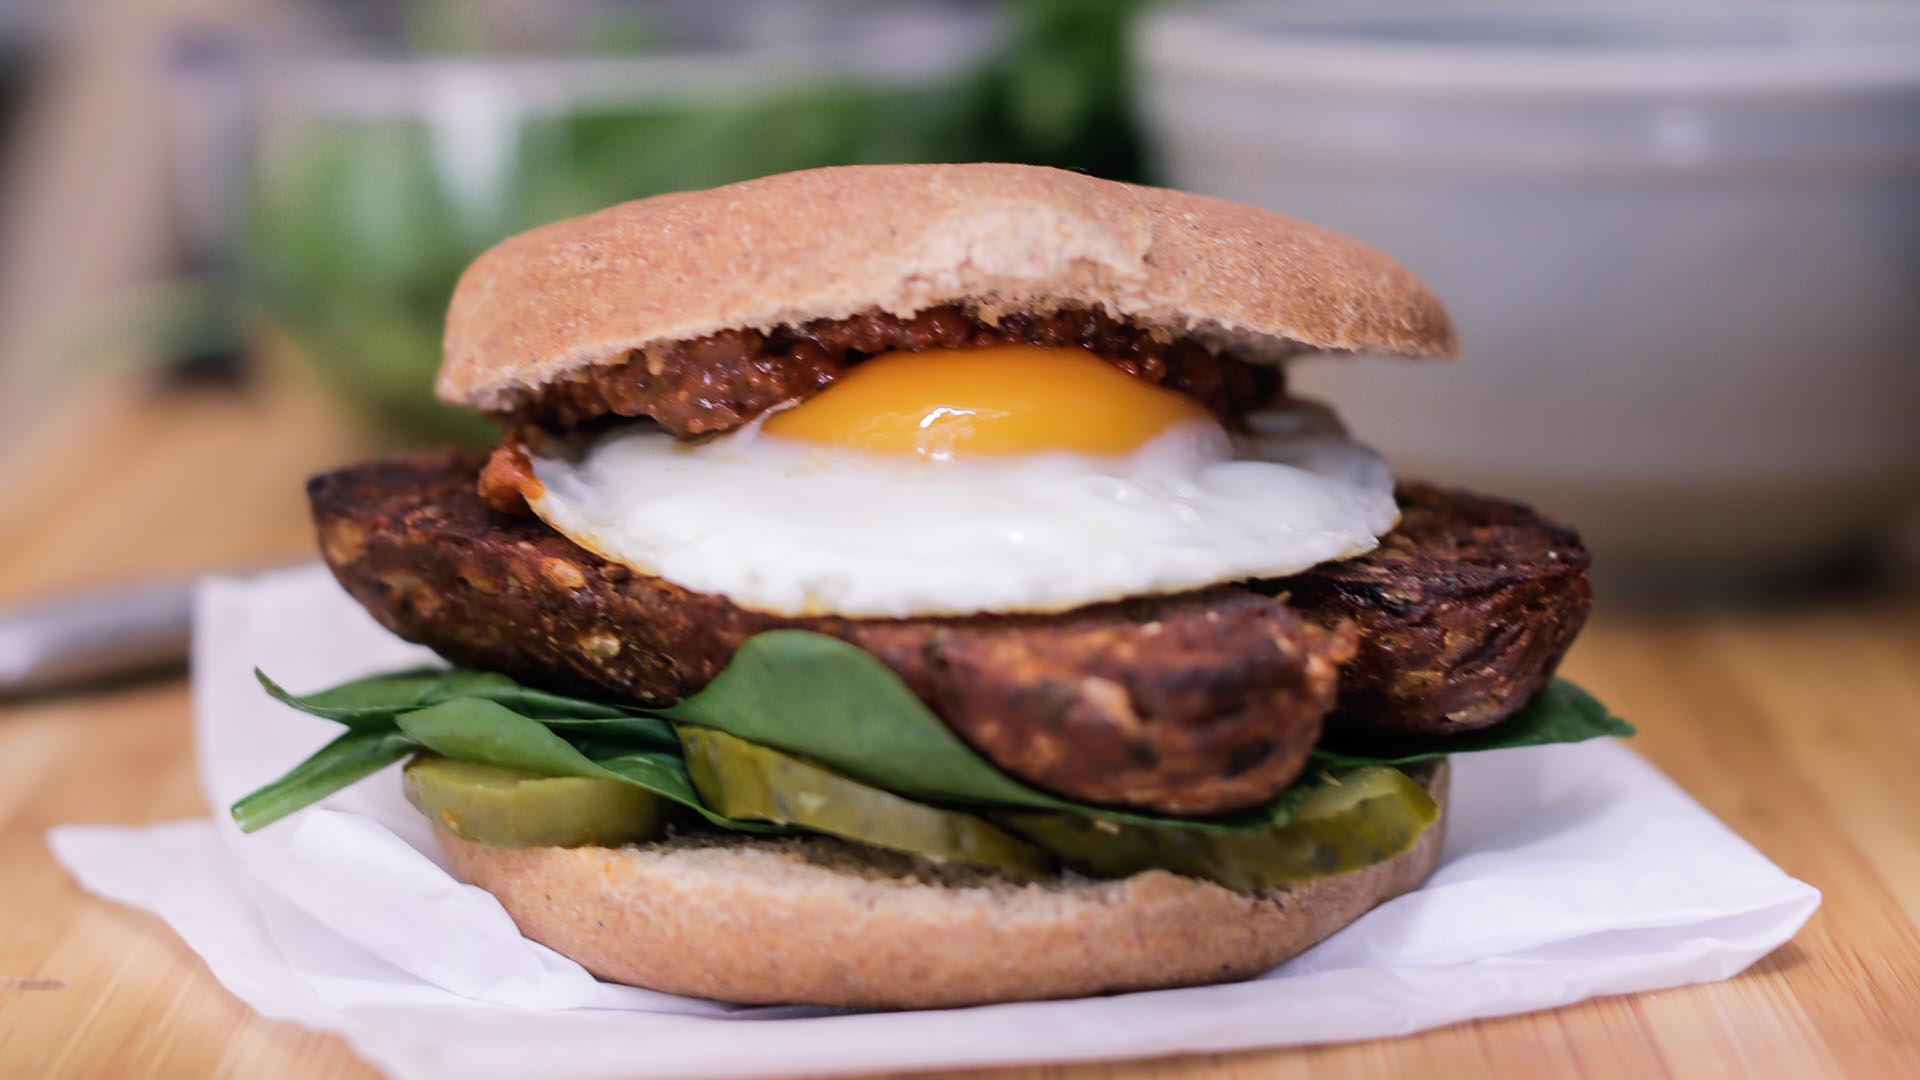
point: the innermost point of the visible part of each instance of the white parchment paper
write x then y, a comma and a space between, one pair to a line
1568, 872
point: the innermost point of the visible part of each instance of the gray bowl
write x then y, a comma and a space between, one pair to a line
1682, 246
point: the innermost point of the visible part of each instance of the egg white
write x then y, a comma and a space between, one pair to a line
795, 528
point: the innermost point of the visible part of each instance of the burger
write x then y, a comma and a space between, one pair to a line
911, 586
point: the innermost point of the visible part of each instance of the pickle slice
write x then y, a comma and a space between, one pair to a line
1355, 818
748, 781
510, 808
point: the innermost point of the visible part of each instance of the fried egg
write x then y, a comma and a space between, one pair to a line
1007, 479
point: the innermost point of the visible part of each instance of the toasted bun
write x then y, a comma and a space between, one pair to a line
832, 243
815, 921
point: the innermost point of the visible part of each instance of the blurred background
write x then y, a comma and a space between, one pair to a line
1682, 241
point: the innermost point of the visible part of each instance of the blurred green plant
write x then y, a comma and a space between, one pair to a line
353, 249
355, 236
1060, 92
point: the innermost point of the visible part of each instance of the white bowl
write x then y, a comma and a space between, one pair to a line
1682, 246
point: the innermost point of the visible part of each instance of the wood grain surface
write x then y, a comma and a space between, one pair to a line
1798, 725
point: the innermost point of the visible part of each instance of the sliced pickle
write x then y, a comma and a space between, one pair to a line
510, 808
752, 782
1351, 819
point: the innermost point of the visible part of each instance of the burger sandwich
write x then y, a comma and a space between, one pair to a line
908, 586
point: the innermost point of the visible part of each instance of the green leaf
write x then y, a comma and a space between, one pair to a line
472, 729
543, 705
1561, 713
819, 697
346, 760
378, 699
663, 774
371, 701
627, 731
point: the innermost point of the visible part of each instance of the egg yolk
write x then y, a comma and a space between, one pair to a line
1007, 399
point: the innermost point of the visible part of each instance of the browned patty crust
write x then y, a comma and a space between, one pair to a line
1464, 611
1197, 703
1193, 703
718, 382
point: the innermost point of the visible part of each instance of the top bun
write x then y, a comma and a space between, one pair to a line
833, 243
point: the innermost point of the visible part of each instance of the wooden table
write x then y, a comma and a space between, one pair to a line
1799, 727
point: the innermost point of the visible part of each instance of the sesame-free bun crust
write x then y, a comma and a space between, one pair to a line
833, 243
815, 921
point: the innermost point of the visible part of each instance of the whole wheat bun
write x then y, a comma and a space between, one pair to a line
833, 243
815, 921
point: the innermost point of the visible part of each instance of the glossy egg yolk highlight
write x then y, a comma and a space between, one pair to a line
1009, 399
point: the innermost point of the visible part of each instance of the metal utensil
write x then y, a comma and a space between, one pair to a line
82, 639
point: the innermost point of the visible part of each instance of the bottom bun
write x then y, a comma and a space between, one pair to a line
809, 920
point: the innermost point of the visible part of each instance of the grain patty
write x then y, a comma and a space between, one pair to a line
1193, 703
1464, 611
1197, 703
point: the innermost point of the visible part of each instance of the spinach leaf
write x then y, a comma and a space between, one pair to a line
368, 702
543, 705
1560, 713
806, 694
350, 758
821, 698
379, 698
664, 774
626, 732
471, 729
